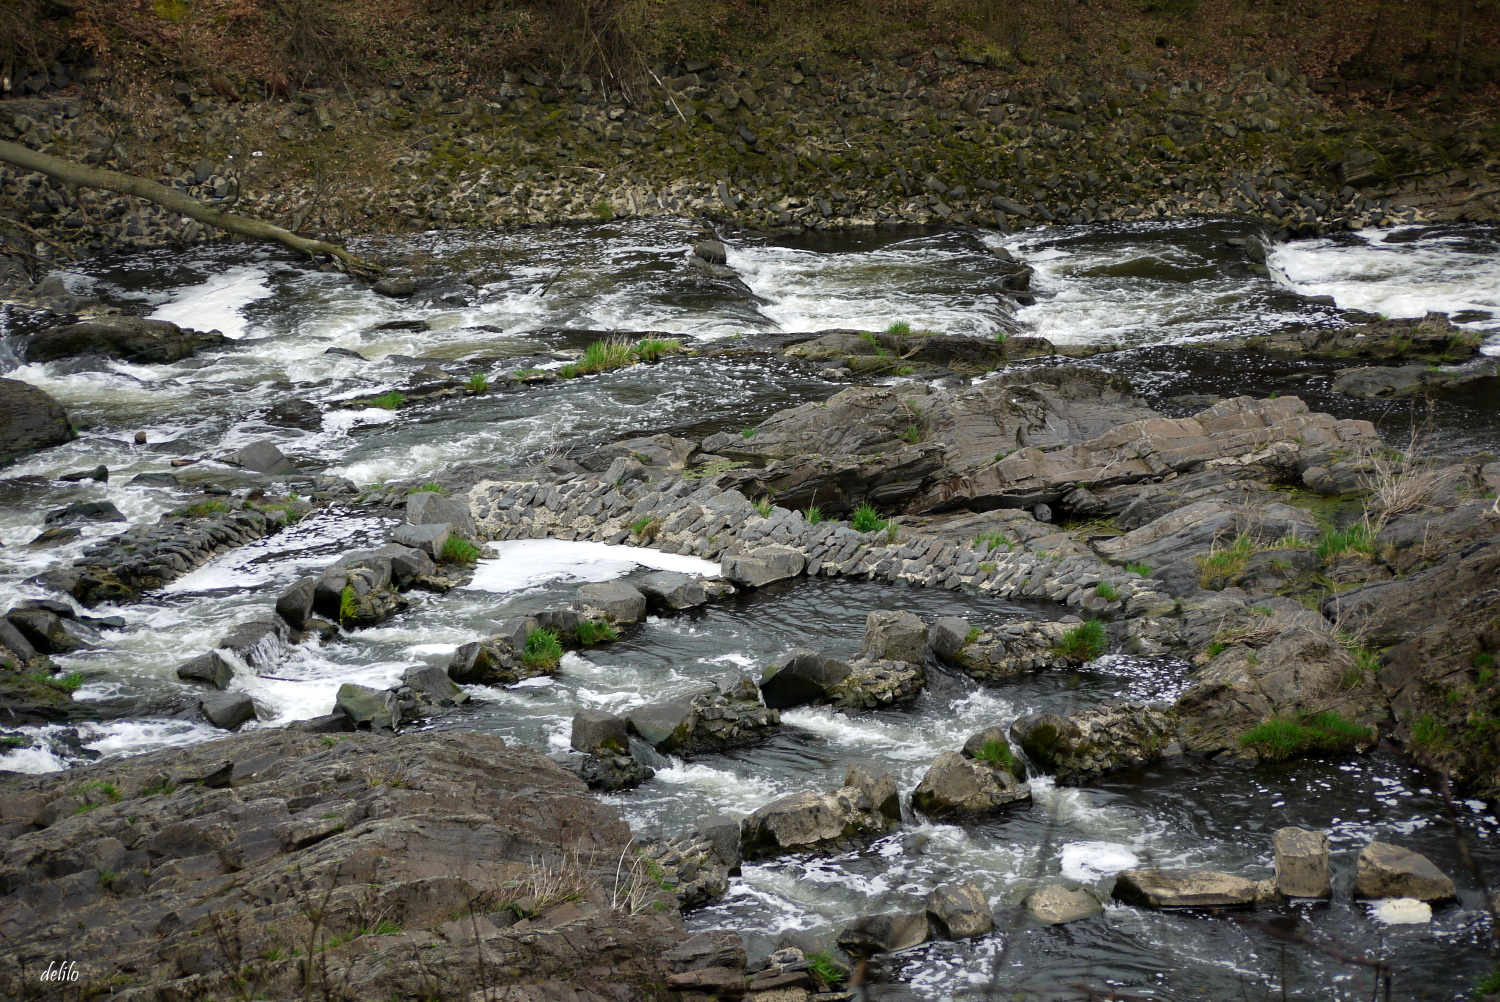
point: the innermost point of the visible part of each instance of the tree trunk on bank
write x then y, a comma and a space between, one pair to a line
90, 177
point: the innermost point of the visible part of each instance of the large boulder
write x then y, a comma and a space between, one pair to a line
959, 911
427, 687
261, 456
802, 676
227, 710
597, 732
295, 603
208, 669
51, 633
132, 339
1090, 743
872, 934
673, 590
895, 635
874, 683
1057, 903
430, 507
955, 785
611, 601
947, 638
1301, 863
498, 659
763, 565
714, 719
1004, 651
29, 420
1184, 889
367, 708
811, 820
1389, 871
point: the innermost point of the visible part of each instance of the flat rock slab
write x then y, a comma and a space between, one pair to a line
1184, 889
763, 565
1058, 903
1389, 871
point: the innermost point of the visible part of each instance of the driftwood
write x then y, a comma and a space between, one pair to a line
91, 177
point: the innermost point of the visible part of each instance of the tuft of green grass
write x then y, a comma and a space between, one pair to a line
431, 487
645, 528
867, 519
348, 604
1144, 570
1281, 738
163, 786
106, 875
1351, 539
997, 753
912, 434
899, 327
108, 789
1001, 337
813, 515
602, 356
1216, 648
542, 649
763, 507
1107, 591
902, 370
203, 509
822, 967
478, 383
992, 541
389, 401
1487, 985
604, 211
85, 808
459, 551
747, 432
1227, 561
1083, 642
652, 348
974, 634
71, 682
387, 928
569, 371
591, 633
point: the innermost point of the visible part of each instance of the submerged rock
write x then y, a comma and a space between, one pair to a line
872, 934
1184, 889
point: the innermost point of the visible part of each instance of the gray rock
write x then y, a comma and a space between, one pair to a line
803, 676
29, 420
227, 709
207, 669
1389, 871
689, 865
133, 339
999, 653
872, 684
598, 733
810, 820
375, 709
665, 726
50, 633
1184, 889
433, 685
878, 785
261, 457
957, 785
156, 479
430, 507
959, 911
712, 720
724, 834
494, 660
295, 604
14, 643
763, 565
947, 638
1302, 863
1058, 903
328, 723
872, 934
711, 251
395, 286
429, 538
1093, 742
716, 948
613, 601
673, 590
895, 635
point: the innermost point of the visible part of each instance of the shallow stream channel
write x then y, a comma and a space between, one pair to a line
503, 299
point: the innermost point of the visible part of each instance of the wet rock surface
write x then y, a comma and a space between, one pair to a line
29, 420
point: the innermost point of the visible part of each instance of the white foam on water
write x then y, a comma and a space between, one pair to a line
251, 565
526, 563
1434, 272
1087, 862
136, 737
342, 420
725, 788
33, 759
218, 302
1400, 911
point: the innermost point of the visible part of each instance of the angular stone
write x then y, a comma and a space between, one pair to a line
433, 685
1184, 889
208, 669
1389, 871
716, 981
803, 676
959, 911
723, 833
673, 590
327, 723
429, 538
13, 642
873, 934
895, 635
599, 733
295, 604
878, 785
29, 420
375, 709
871, 684
430, 507
261, 457
613, 601
763, 565
1057, 903
947, 638
227, 709
1302, 863
1093, 742
50, 633
956, 785
665, 726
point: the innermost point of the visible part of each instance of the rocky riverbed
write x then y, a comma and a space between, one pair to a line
916, 627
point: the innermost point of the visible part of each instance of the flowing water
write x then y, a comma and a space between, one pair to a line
499, 300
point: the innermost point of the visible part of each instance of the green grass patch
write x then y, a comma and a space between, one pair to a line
432, 487
389, 401
1281, 738
477, 383
813, 515
997, 753
645, 528
602, 356
763, 507
1144, 570
85, 808
164, 787
1226, 561
1429, 734
387, 928
747, 432
822, 967
569, 371
652, 348
71, 682
108, 789
591, 633
542, 649
993, 540
1487, 985
974, 634
899, 327
203, 509
912, 434
1083, 642
459, 551
867, 519
1355, 538
1107, 591
348, 604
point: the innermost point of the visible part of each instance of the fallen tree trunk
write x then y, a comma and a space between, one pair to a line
91, 177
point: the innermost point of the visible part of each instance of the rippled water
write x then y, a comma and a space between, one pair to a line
495, 297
